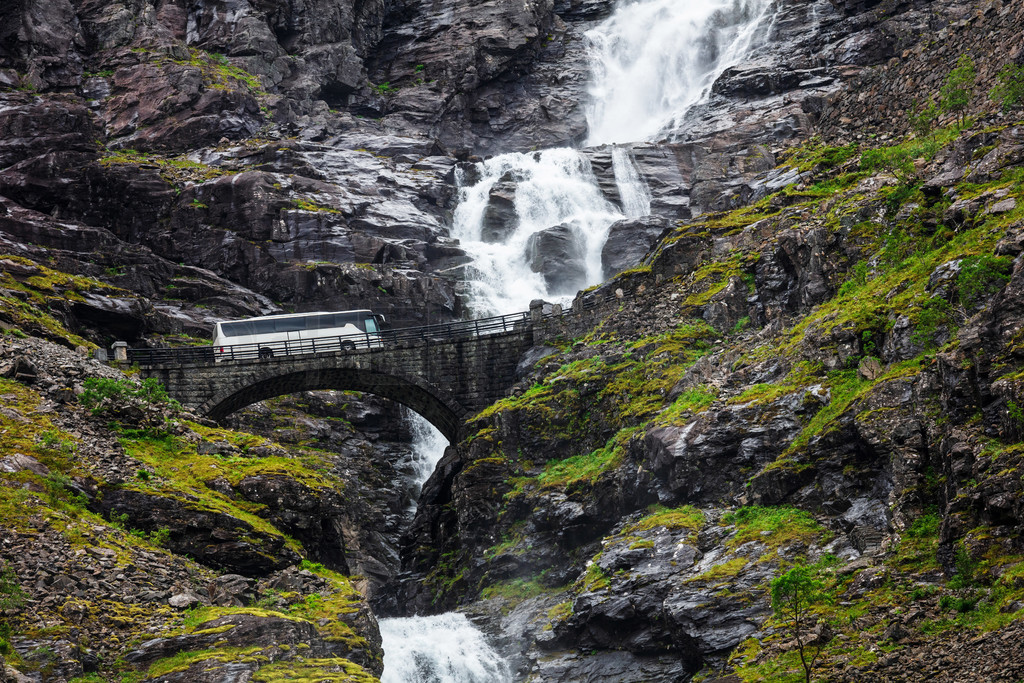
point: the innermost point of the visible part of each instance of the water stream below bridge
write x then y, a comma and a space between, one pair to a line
651, 60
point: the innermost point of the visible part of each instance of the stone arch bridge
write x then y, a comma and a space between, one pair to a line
446, 373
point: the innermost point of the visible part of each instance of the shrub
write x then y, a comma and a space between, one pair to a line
933, 315
102, 392
899, 159
1009, 91
12, 597
955, 94
966, 569
981, 276
923, 118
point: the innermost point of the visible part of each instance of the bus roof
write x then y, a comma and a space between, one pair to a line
293, 315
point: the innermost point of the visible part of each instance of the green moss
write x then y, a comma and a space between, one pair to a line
516, 590
816, 156
803, 374
181, 473
313, 207
723, 570
773, 526
220, 74
688, 403
30, 312
594, 579
685, 517
177, 171
183, 660
560, 612
581, 468
918, 546
327, 670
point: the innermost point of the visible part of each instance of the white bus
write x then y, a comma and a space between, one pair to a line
296, 333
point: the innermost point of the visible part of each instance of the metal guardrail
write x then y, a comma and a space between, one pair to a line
425, 334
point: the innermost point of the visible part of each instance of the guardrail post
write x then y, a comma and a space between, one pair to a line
536, 311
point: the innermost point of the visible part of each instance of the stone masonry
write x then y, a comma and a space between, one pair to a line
444, 381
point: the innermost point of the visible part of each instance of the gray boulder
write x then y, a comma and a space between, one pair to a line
629, 241
557, 253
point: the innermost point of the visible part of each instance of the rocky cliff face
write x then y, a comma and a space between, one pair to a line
825, 379
805, 360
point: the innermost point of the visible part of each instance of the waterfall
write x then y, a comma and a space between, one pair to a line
651, 61
654, 59
636, 198
428, 446
548, 189
446, 648
535, 225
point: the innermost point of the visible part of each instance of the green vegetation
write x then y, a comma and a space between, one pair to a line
1009, 89
981, 276
685, 517
177, 171
923, 117
773, 526
327, 670
26, 300
955, 94
12, 597
793, 595
817, 157
220, 74
103, 394
311, 206
899, 159
515, 591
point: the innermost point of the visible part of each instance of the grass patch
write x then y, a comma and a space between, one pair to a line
773, 526
685, 517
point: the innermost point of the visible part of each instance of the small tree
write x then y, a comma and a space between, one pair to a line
793, 595
923, 117
955, 95
12, 596
1009, 91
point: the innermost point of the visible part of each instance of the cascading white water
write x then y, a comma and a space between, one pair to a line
633, 191
428, 446
446, 648
554, 187
654, 59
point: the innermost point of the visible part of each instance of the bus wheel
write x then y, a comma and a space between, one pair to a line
348, 346
266, 353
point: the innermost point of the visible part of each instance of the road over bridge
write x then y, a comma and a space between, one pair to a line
446, 373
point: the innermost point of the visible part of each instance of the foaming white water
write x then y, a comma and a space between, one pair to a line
554, 187
446, 648
654, 59
633, 191
428, 446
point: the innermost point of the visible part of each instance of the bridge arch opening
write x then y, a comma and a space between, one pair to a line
432, 403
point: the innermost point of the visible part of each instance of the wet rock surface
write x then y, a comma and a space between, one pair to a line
822, 407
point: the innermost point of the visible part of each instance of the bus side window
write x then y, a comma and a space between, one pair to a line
263, 326
290, 325
237, 329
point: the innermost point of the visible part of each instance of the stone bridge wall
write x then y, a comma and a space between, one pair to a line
445, 381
